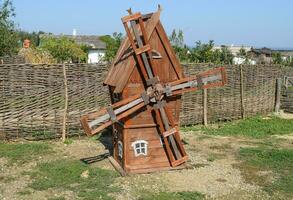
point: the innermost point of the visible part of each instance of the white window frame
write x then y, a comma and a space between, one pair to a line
140, 147
120, 149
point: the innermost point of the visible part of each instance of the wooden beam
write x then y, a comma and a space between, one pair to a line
242, 93
116, 165
278, 95
169, 50
205, 107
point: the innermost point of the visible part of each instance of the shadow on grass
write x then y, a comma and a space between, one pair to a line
94, 159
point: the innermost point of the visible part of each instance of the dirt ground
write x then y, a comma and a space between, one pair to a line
211, 172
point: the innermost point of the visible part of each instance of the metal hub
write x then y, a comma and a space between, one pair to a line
156, 92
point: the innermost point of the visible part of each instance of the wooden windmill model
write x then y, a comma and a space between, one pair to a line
146, 83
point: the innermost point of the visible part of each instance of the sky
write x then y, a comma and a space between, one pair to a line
256, 23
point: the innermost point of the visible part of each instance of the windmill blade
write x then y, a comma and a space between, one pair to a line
97, 121
170, 135
211, 78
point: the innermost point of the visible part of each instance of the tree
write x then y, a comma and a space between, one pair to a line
36, 55
177, 39
63, 49
8, 36
34, 37
112, 45
177, 42
242, 53
226, 56
217, 56
202, 52
277, 58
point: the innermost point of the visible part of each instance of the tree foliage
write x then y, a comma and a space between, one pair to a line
277, 58
112, 45
201, 53
177, 39
63, 49
8, 36
242, 53
36, 55
34, 37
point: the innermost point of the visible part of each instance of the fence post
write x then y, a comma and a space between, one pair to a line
242, 93
65, 103
205, 107
278, 95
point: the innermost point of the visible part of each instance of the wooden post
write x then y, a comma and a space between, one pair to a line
242, 93
65, 104
286, 82
278, 95
205, 107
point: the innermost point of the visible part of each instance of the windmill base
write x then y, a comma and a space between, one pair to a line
123, 172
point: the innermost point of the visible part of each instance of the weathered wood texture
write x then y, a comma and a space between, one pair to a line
32, 97
167, 70
287, 94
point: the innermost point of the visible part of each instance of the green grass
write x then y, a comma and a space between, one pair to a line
22, 153
290, 88
24, 192
172, 196
43, 134
194, 128
68, 141
279, 161
66, 174
215, 156
57, 198
255, 127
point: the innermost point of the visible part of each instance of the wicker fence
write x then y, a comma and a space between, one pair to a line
16, 59
287, 94
33, 97
251, 90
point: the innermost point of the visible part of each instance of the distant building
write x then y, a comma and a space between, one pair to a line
97, 48
261, 56
234, 49
255, 55
237, 60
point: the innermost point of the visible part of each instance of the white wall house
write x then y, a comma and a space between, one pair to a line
233, 48
239, 61
95, 56
97, 48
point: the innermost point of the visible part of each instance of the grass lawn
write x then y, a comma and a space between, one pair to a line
256, 127
22, 153
267, 165
173, 196
54, 168
67, 174
279, 161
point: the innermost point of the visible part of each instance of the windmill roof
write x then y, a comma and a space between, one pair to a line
124, 61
